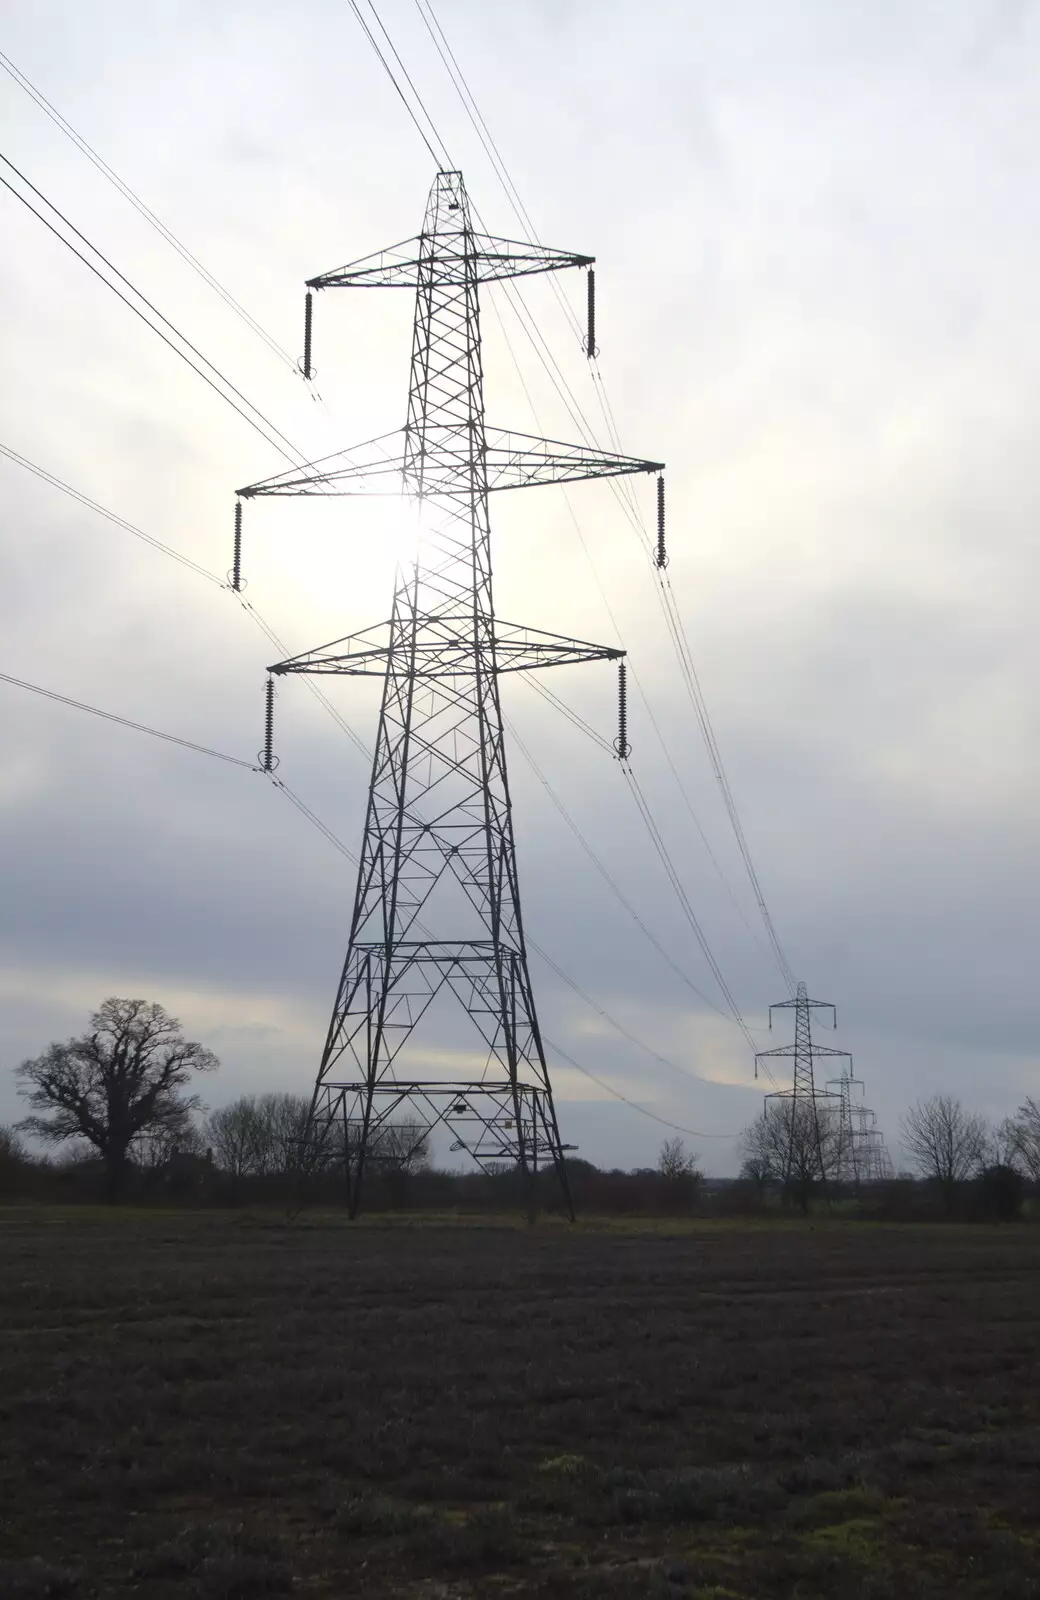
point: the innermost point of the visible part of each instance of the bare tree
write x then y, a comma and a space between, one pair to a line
12, 1150
1003, 1147
946, 1142
675, 1162
119, 1080
1025, 1137
156, 1148
259, 1135
285, 1119
793, 1144
14, 1162
234, 1134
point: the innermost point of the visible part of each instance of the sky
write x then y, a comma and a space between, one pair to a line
817, 232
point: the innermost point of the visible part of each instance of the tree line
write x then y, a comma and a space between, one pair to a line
124, 1091
797, 1149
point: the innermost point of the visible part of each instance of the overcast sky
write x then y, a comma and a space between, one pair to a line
817, 231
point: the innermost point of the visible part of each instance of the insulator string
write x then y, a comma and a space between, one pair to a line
308, 319
591, 348
267, 759
236, 560
621, 744
662, 555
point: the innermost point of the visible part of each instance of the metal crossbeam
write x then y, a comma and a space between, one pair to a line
457, 255
517, 649
511, 461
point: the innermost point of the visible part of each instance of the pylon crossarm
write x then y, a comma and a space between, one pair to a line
520, 649
790, 1050
516, 649
392, 268
356, 653
512, 461
522, 461
819, 1095
455, 257
498, 259
371, 467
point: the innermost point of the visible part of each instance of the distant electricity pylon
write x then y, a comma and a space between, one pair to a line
438, 841
860, 1155
828, 1134
805, 1110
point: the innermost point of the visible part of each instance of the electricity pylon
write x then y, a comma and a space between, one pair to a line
807, 1112
859, 1154
437, 906
848, 1155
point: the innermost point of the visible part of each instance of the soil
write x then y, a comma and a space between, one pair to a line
218, 1405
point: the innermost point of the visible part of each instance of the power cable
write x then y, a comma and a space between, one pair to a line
694, 1133
601, 1011
138, 204
632, 670
120, 522
370, 36
567, 711
605, 873
265, 431
684, 902
138, 727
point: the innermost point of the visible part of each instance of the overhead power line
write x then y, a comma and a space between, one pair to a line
644, 1111
102, 511
684, 902
125, 722
261, 424
442, 158
145, 211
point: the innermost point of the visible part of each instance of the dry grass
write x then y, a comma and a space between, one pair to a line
218, 1406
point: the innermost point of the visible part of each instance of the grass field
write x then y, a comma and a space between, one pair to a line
212, 1405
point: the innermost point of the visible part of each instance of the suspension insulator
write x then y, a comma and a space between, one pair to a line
236, 560
621, 744
661, 558
308, 316
267, 758
591, 348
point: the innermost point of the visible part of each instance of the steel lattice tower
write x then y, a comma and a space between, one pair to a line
437, 905
859, 1155
806, 1143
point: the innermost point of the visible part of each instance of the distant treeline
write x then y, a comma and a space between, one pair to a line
195, 1177
116, 1102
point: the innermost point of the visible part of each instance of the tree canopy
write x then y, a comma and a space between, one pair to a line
117, 1082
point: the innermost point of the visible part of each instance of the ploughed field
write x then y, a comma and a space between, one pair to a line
210, 1405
